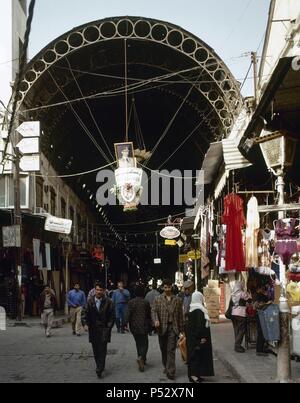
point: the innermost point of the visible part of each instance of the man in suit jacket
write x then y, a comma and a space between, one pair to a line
140, 322
168, 317
98, 319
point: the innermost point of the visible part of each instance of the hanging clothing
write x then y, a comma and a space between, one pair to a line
234, 218
203, 246
264, 249
253, 224
36, 252
48, 256
287, 239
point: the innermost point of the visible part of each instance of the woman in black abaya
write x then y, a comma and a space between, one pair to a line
199, 345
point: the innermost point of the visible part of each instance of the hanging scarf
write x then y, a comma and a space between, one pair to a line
198, 303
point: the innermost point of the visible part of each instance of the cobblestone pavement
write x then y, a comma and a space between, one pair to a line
27, 356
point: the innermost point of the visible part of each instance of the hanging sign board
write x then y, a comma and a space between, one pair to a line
157, 261
183, 258
30, 163
170, 242
170, 233
59, 225
29, 129
194, 255
11, 236
29, 145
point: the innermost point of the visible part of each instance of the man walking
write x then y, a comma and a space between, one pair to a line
150, 297
120, 300
139, 319
47, 306
168, 316
186, 298
76, 302
98, 319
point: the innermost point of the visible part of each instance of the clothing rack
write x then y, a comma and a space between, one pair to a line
276, 208
256, 192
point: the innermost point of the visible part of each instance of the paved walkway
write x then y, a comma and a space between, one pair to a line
59, 320
27, 356
248, 367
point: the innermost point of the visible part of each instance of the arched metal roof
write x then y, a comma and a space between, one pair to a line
89, 60
216, 83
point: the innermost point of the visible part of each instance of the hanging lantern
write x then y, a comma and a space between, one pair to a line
128, 188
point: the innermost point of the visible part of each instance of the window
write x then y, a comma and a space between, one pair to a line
53, 202
2, 191
7, 196
71, 214
24, 192
39, 192
63, 207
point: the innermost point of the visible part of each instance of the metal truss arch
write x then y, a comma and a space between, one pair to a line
221, 90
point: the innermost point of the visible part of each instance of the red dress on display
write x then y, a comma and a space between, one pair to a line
235, 219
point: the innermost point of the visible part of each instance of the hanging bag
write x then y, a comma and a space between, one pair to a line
228, 313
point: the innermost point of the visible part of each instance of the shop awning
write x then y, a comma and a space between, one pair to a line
212, 161
232, 155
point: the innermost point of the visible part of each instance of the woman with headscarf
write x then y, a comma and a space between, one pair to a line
240, 298
198, 337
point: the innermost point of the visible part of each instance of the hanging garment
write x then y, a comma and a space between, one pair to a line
253, 224
265, 240
48, 256
234, 218
203, 247
287, 235
36, 252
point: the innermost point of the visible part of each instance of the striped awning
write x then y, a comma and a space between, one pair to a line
232, 156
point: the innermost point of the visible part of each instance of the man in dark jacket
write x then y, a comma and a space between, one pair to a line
140, 322
98, 319
168, 317
47, 306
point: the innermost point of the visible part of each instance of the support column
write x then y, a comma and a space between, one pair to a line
284, 370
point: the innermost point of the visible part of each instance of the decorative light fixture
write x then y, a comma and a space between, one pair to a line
278, 149
128, 188
170, 232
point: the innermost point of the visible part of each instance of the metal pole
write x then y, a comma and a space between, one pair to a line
67, 281
17, 215
284, 371
254, 61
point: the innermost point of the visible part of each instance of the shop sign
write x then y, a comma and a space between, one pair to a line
59, 225
170, 242
170, 232
157, 261
194, 254
11, 236
29, 129
183, 258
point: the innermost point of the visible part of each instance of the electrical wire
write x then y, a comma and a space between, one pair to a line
87, 131
89, 109
149, 222
170, 123
168, 176
78, 174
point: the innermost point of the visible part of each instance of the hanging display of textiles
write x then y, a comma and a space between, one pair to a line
234, 219
253, 224
287, 234
204, 246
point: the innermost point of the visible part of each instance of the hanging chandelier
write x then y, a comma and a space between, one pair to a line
128, 188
